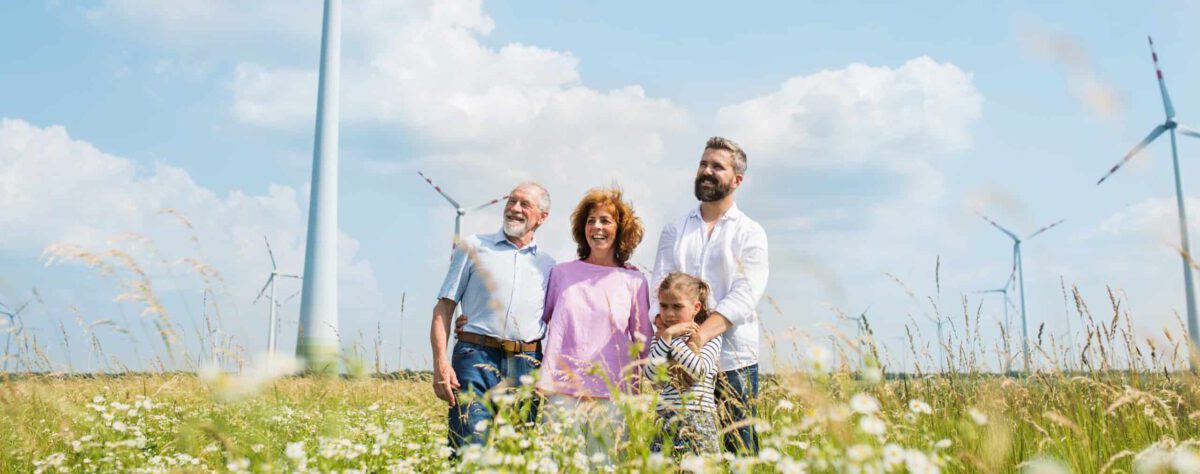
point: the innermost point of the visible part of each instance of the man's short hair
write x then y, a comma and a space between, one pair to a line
739, 156
543, 194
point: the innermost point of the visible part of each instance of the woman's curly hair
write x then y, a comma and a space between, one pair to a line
629, 226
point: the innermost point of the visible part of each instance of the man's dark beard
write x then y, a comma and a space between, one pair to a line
715, 193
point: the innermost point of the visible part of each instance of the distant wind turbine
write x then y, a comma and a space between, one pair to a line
1170, 125
1003, 291
1020, 267
459, 211
273, 324
13, 323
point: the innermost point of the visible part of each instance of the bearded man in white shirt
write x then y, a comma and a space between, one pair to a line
719, 244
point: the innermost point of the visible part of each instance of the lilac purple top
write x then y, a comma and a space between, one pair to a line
594, 314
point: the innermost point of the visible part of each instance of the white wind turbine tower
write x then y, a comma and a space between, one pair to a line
13, 325
1170, 125
1020, 267
273, 324
317, 343
459, 211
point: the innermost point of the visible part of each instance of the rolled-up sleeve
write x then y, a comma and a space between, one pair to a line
458, 276
749, 279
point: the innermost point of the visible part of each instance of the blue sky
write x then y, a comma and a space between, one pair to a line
874, 131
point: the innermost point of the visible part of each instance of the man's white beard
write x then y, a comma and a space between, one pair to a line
515, 229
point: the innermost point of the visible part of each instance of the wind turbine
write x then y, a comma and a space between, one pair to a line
273, 324
858, 329
1020, 268
1003, 291
459, 211
317, 345
1170, 125
941, 348
13, 321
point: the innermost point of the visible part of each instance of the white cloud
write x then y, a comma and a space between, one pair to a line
857, 114
490, 116
54, 188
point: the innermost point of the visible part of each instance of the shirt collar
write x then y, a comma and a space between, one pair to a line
732, 214
499, 238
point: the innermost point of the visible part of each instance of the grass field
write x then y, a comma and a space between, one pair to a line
1118, 422
1110, 402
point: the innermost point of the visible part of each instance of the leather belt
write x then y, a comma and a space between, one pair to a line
497, 343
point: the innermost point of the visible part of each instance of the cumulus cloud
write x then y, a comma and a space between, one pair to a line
858, 114
56, 188
487, 116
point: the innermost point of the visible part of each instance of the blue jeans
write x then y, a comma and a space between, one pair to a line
737, 397
479, 369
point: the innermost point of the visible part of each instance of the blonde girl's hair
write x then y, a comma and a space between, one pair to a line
691, 286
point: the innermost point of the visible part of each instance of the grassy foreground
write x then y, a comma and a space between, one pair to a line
1117, 422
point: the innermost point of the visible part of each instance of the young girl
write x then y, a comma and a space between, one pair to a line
686, 408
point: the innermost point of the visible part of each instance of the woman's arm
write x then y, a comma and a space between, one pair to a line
639, 327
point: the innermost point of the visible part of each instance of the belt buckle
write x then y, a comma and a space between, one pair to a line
510, 346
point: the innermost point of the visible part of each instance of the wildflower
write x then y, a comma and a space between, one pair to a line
481, 425
818, 358
919, 407
872, 425
858, 453
656, 461
943, 444
295, 450
788, 465
863, 403
784, 404
893, 454
1044, 465
1184, 460
872, 375
693, 463
526, 379
769, 455
977, 416
740, 465
916, 461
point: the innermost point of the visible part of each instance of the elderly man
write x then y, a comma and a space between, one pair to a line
500, 280
719, 244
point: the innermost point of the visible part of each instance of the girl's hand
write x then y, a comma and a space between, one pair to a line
682, 329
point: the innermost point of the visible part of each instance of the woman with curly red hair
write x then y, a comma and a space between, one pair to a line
596, 310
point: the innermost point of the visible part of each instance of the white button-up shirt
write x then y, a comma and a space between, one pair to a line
733, 261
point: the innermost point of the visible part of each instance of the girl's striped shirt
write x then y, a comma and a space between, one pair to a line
702, 367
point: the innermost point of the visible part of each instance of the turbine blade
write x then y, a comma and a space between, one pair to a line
1043, 229
1128, 156
264, 288
439, 190
1162, 83
298, 277
270, 253
489, 203
998, 226
297, 293
22, 308
1187, 131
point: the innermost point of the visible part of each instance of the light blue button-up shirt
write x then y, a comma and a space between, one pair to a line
499, 287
